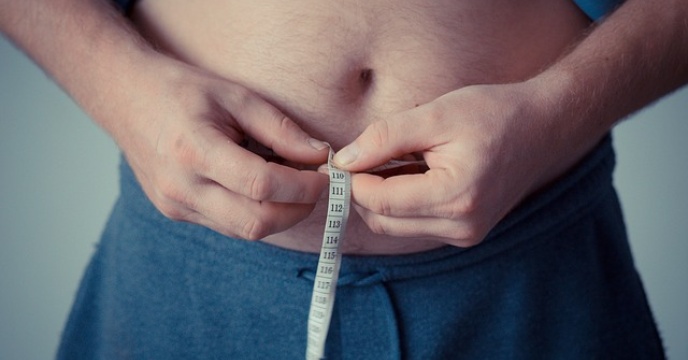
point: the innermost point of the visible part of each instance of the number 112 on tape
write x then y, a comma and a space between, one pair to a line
327, 274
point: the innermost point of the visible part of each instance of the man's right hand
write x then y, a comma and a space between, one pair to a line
179, 127
182, 138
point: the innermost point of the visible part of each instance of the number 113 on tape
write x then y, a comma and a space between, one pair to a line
327, 274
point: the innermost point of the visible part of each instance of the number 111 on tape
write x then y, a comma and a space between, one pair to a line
327, 273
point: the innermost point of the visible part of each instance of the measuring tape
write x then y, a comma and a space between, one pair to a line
327, 273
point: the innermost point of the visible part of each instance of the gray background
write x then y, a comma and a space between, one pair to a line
58, 183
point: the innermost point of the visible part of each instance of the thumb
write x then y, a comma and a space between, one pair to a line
383, 141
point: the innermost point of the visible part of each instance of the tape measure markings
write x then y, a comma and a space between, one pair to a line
327, 273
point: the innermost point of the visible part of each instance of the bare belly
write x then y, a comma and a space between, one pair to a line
336, 67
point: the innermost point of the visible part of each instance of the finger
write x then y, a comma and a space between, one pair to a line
237, 216
432, 194
248, 174
456, 233
272, 128
388, 139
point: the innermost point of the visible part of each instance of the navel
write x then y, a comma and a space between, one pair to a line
366, 80
358, 85
366, 76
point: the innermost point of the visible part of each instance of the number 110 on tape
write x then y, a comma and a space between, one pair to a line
327, 273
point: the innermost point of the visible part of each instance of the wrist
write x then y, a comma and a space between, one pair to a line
571, 108
564, 126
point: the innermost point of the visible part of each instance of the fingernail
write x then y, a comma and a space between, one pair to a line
346, 156
317, 144
323, 169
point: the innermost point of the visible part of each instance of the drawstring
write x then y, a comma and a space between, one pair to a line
375, 282
391, 317
348, 279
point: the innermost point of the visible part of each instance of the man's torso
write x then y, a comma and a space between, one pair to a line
336, 67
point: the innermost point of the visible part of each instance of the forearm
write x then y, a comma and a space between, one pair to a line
83, 44
634, 57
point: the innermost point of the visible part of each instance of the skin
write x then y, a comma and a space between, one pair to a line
490, 138
518, 137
